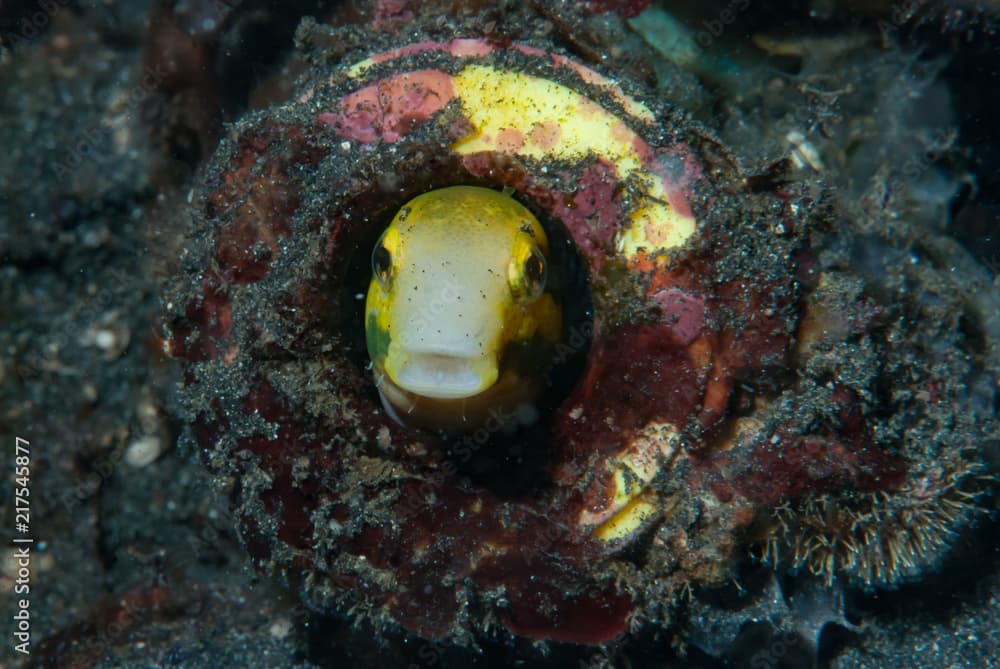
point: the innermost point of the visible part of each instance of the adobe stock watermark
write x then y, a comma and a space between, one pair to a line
430, 654
900, 14
498, 420
447, 297
936, 144
29, 27
22, 541
87, 326
780, 646
577, 341
713, 29
898, 189
101, 471
462, 452
87, 142
599, 660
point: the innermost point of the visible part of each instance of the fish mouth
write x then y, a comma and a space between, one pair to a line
445, 375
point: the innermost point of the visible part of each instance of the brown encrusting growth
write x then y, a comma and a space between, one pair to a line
705, 415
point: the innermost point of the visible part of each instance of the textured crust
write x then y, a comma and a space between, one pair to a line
646, 482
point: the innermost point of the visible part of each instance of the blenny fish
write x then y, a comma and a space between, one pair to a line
459, 319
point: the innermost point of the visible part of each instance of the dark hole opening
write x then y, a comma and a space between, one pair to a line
510, 462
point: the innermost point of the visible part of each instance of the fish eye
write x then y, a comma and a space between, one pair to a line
382, 263
534, 273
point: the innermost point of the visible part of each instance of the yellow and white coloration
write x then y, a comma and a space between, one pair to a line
629, 504
445, 363
458, 319
514, 112
503, 105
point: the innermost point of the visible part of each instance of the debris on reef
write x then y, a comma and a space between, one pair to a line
740, 386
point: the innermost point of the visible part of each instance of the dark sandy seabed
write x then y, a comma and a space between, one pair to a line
135, 561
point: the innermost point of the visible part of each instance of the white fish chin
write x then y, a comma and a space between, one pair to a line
440, 376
